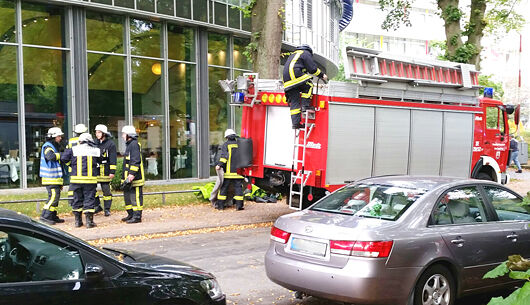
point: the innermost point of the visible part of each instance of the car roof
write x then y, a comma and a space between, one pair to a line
6, 214
427, 183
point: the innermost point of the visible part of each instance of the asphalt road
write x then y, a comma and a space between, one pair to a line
236, 259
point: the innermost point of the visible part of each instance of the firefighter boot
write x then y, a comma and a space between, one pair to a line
78, 219
56, 218
129, 215
137, 217
90, 220
98, 209
47, 217
107, 204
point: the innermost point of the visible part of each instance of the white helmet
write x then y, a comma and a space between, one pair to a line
85, 137
129, 130
102, 128
230, 132
80, 128
55, 132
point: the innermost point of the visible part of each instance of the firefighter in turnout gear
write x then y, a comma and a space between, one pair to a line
133, 176
107, 167
73, 141
228, 161
298, 72
51, 173
84, 158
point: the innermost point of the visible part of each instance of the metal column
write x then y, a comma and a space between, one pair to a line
203, 105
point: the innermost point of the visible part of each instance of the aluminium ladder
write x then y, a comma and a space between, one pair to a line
298, 172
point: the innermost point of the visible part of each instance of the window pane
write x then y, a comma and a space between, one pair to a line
124, 3
220, 13
233, 17
492, 117
507, 205
106, 93
148, 113
58, 262
109, 2
145, 38
9, 156
7, 21
465, 205
240, 60
42, 24
104, 32
219, 112
165, 7
145, 5
183, 118
45, 101
184, 8
181, 43
200, 10
217, 49
246, 23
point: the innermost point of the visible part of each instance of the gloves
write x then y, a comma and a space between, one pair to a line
325, 78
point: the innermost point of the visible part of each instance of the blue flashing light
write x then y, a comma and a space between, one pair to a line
488, 92
239, 97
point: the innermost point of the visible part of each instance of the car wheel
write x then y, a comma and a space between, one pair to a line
436, 286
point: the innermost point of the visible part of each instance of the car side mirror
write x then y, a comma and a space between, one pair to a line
93, 272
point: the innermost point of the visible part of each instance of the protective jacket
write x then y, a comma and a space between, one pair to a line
133, 164
72, 142
51, 171
229, 159
84, 159
107, 164
297, 67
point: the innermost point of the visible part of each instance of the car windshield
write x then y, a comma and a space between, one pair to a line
370, 200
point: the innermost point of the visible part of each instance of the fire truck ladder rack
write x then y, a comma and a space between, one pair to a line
298, 166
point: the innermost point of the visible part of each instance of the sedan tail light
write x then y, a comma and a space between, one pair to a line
279, 235
361, 248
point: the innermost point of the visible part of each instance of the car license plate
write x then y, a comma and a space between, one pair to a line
309, 247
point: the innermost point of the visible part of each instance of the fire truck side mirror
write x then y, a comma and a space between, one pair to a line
517, 115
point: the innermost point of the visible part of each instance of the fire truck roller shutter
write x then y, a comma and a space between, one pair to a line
392, 131
279, 137
457, 144
426, 142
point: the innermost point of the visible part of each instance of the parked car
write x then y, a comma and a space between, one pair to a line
43, 265
400, 239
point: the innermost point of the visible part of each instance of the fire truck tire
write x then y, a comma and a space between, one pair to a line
484, 176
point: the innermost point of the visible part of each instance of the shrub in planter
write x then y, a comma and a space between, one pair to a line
116, 181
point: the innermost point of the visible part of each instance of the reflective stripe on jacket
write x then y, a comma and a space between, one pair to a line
297, 67
228, 159
133, 164
51, 171
107, 164
83, 160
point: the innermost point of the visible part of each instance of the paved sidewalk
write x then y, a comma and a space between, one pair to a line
169, 219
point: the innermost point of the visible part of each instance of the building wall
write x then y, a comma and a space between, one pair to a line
119, 62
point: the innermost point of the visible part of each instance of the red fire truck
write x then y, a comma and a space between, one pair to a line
395, 116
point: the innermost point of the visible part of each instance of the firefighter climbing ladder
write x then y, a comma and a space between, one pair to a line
298, 168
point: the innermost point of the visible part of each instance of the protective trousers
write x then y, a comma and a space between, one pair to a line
238, 193
107, 195
299, 98
134, 198
84, 197
54, 193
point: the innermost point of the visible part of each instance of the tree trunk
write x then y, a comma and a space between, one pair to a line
452, 25
267, 32
476, 29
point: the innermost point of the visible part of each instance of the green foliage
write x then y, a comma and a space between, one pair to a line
247, 10
502, 18
486, 81
398, 13
452, 14
252, 47
341, 76
517, 268
463, 54
116, 181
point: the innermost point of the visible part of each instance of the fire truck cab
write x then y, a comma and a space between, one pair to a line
394, 116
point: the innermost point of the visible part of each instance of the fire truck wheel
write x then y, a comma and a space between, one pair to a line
484, 176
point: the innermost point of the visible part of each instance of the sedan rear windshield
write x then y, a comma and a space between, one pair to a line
370, 200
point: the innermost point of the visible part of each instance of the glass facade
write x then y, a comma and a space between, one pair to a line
62, 64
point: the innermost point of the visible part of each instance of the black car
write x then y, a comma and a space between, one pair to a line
42, 265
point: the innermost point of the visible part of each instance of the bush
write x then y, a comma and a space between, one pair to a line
517, 268
116, 181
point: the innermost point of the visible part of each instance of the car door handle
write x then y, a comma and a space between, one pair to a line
512, 236
459, 242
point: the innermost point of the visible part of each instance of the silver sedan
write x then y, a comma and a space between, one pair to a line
400, 240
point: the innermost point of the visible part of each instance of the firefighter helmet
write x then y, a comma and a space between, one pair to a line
129, 130
85, 137
305, 47
80, 128
102, 128
230, 132
55, 132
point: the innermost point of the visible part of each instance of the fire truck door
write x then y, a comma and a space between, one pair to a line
495, 137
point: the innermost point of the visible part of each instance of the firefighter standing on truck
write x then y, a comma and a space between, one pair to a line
51, 173
107, 166
298, 72
228, 161
133, 176
83, 158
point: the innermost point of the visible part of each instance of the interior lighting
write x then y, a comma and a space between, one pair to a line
156, 68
